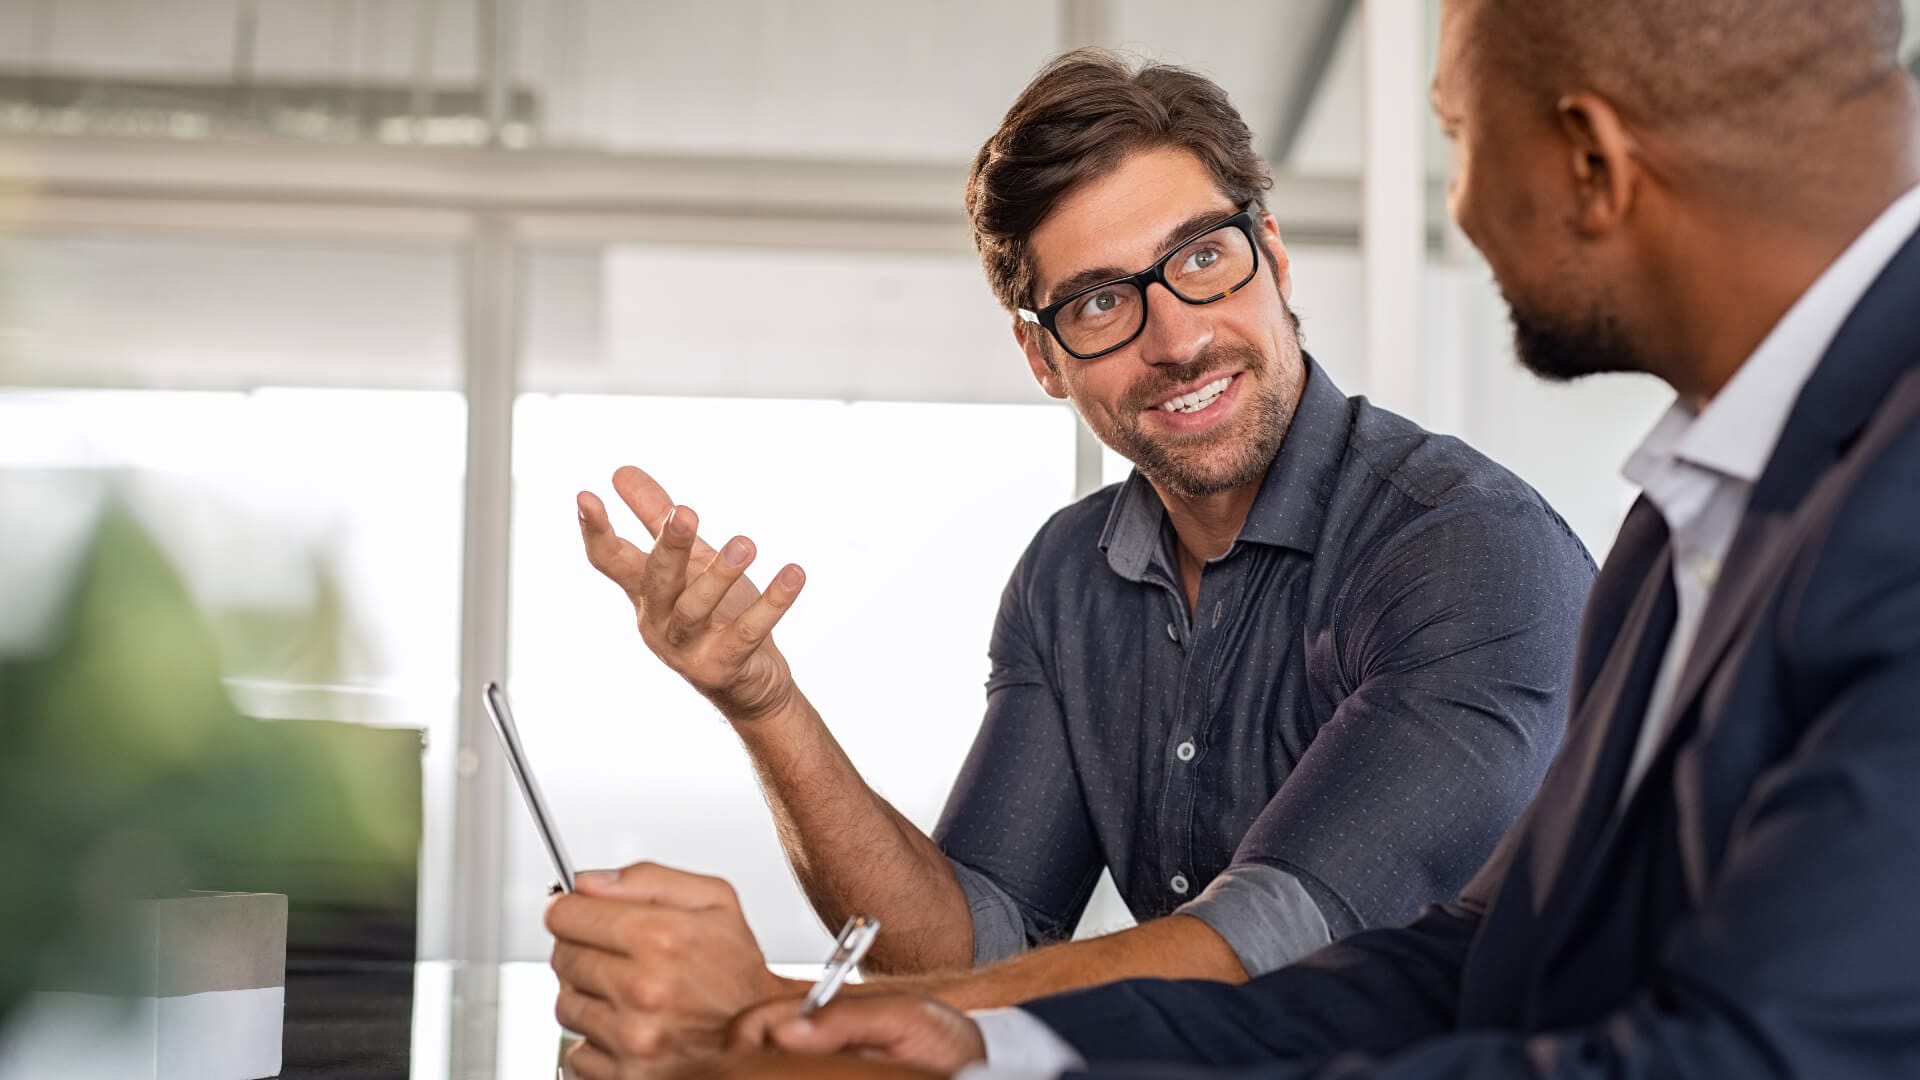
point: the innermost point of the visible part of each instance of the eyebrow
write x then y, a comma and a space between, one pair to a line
1095, 275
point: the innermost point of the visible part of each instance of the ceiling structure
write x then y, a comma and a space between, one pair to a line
834, 79
730, 120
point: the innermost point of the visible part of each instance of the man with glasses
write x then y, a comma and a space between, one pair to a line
1293, 678
1718, 875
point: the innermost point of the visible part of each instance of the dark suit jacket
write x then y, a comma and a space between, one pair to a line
1755, 912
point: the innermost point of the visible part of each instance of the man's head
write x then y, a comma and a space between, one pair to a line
1607, 154
1098, 171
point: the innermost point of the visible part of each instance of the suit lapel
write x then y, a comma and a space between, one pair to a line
1575, 811
1879, 342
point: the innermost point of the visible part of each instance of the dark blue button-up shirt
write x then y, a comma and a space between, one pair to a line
1362, 700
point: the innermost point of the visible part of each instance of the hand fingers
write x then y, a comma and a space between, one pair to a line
589, 1062
747, 632
751, 1029
809, 1035
644, 496
649, 502
624, 1036
586, 920
910, 1030
656, 884
594, 971
617, 926
665, 576
618, 559
848, 1024
589, 1017
704, 593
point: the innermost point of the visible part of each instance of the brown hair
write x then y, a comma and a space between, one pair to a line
1079, 117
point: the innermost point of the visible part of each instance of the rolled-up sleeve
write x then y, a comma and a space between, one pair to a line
1264, 915
1457, 642
1016, 826
1000, 927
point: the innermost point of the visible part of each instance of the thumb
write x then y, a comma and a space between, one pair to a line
844, 1025
804, 1035
904, 1030
753, 1029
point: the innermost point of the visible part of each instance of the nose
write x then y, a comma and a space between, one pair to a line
1176, 331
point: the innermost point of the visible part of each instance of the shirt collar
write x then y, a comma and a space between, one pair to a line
1292, 503
1655, 454
1737, 432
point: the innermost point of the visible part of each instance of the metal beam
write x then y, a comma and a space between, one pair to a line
789, 196
246, 44
1085, 22
491, 344
1305, 89
1394, 235
476, 178
426, 36
496, 59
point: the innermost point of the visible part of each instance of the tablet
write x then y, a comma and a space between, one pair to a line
502, 714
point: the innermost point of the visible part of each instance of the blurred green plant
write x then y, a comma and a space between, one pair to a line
126, 771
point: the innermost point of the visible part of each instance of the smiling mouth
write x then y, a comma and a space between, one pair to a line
1198, 399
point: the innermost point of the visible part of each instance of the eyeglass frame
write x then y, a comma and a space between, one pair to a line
1048, 317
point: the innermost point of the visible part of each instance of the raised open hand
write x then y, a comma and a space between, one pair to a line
695, 607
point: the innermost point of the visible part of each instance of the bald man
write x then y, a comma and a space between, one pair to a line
1721, 874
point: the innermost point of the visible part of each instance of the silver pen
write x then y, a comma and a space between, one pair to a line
855, 939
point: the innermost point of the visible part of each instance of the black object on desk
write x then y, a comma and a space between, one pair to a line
352, 912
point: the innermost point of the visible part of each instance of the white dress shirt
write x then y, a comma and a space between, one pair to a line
1698, 471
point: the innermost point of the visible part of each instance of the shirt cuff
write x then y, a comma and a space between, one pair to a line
999, 931
1263, 913
1020, 1047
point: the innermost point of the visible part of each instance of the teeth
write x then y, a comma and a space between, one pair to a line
1199, 399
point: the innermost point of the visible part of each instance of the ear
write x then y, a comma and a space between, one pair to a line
1034, 342
1603, 158
1282, 266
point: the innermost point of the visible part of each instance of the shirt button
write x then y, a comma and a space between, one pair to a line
1178, 884
1706, 570
1173, 635
1184, 751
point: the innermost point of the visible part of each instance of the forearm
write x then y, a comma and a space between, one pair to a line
853, 852
1372, 992
1176, 947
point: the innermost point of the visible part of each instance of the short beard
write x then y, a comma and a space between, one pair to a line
1564, 348
1249, 455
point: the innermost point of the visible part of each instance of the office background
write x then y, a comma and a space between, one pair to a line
363, 291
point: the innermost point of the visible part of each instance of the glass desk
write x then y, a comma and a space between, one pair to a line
358, 1021
353, 1031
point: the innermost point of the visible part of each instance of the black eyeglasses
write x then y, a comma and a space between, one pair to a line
1211, 265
